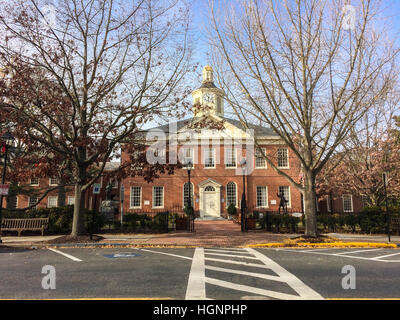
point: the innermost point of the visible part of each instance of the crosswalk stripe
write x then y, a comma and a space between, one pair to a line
241, 287
248, 264
230, 255
225, 251
196, 288
295, 283
246, 273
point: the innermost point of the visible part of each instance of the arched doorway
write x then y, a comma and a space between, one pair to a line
210, 199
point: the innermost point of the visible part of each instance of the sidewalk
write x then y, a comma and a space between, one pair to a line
207, 234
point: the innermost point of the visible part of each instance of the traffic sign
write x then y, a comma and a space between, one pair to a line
4, 189
96, 188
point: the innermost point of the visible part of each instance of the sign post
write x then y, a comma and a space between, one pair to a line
96, 191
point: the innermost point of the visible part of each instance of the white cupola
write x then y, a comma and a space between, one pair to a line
208, 99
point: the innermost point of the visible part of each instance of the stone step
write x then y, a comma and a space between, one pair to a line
210, 218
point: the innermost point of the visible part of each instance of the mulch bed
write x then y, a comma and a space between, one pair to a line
318, 239
78, 239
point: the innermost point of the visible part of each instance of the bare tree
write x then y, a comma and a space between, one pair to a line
86, 75
308, 69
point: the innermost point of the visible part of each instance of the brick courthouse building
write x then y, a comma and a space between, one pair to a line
216, 177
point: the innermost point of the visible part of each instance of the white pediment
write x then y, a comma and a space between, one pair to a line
210, 182
228, 132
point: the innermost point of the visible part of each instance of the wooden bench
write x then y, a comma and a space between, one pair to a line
24, 224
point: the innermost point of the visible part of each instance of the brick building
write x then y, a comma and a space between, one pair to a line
62, 196
216, 177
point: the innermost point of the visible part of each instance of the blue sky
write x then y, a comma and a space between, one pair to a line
390, 12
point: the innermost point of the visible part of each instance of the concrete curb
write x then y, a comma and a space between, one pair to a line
257, 245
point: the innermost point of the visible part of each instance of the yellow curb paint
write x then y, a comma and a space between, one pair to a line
341, 299
324, 245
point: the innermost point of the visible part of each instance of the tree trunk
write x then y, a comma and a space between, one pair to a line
310, 208
78, 220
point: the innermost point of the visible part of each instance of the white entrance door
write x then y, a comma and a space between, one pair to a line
211, 201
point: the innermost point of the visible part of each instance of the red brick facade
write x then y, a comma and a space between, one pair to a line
174, 185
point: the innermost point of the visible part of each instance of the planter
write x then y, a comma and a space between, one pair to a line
181, 223
251, 224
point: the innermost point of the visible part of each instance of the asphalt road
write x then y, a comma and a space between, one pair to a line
220, 273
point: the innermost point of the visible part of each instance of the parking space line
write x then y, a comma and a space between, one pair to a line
65, 255
344, 255
385, 256
167, 254
365, 250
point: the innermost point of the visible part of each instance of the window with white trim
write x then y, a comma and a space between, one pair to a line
114, 183
34, 181
136, 197
286, 193
231, 194
347, 203
230, 157
209, 158
33, 201
71, 201
186, 194
54, 181
260, 159
52, 201
158, 197
188, 156
283, 158
262, 197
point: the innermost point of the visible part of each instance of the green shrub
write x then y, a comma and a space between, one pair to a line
351, 221
372, 220
232, 210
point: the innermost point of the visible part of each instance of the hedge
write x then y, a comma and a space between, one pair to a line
60, 218
369, 220
133, 222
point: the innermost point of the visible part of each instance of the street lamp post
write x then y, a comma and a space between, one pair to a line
8, 142
243, 205
189, 166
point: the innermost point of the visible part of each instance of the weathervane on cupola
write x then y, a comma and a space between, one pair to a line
208, 96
